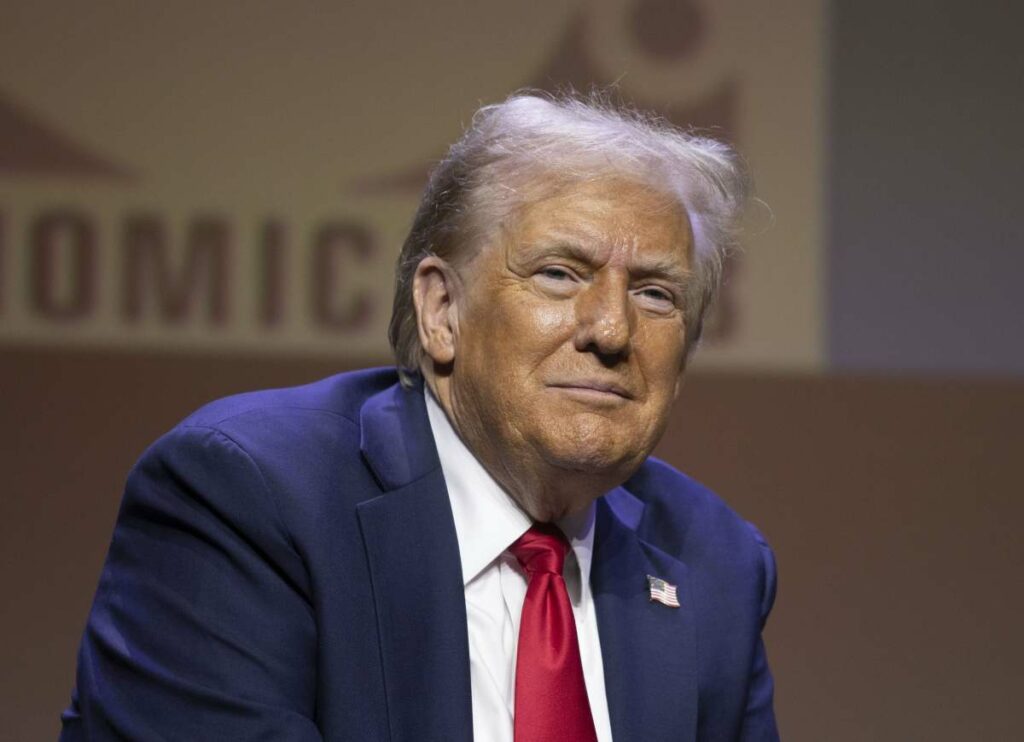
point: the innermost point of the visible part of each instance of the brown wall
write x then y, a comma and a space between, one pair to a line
892, 505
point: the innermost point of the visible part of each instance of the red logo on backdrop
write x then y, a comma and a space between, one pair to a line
668, 31
30, 147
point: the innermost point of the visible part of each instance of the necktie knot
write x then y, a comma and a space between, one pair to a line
542, 549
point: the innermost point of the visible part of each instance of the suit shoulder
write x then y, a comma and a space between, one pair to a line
290, 429
681, 514
341, 395
292, 450
662, 486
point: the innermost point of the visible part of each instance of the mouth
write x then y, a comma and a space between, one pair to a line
594, 389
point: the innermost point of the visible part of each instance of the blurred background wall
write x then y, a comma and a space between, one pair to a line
203, 198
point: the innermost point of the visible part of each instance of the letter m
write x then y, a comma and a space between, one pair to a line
156, 280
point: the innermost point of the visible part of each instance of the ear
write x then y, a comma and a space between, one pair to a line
681, 377
679, 384
435, 289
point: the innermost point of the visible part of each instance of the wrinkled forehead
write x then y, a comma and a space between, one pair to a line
595, 196
603, 208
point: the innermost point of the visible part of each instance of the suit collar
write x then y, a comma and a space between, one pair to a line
487, 520
413, 556
395, 437
648, 650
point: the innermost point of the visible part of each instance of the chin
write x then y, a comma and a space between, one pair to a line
586, 460
603, 456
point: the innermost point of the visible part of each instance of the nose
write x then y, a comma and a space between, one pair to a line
605, 319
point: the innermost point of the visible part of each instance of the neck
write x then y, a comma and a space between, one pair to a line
544, 492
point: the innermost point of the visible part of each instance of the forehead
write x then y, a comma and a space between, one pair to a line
601, 215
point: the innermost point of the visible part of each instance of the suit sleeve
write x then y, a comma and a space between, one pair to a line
202, 626
759, 723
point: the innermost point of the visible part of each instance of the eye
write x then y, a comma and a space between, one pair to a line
556, 280
555, 273
656, 293
656, 298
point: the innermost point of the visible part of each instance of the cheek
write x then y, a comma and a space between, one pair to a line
548, 318
662, 355
534, 330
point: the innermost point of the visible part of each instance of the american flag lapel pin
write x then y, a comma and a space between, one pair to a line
662, 592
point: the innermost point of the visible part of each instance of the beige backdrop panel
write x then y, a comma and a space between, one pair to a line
301, 118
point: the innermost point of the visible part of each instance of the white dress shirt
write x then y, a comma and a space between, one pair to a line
487, 522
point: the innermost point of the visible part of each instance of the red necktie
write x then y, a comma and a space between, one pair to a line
551, 697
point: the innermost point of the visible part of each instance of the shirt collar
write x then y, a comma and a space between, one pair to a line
487, 519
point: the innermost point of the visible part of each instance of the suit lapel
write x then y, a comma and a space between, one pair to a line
413, 554
648, 649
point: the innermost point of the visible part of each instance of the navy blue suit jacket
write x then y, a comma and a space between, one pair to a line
285, 567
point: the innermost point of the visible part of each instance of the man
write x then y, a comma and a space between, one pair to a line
483, 550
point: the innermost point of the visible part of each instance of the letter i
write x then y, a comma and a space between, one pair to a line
271, 273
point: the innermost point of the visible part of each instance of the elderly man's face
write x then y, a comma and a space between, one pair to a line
570, 342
